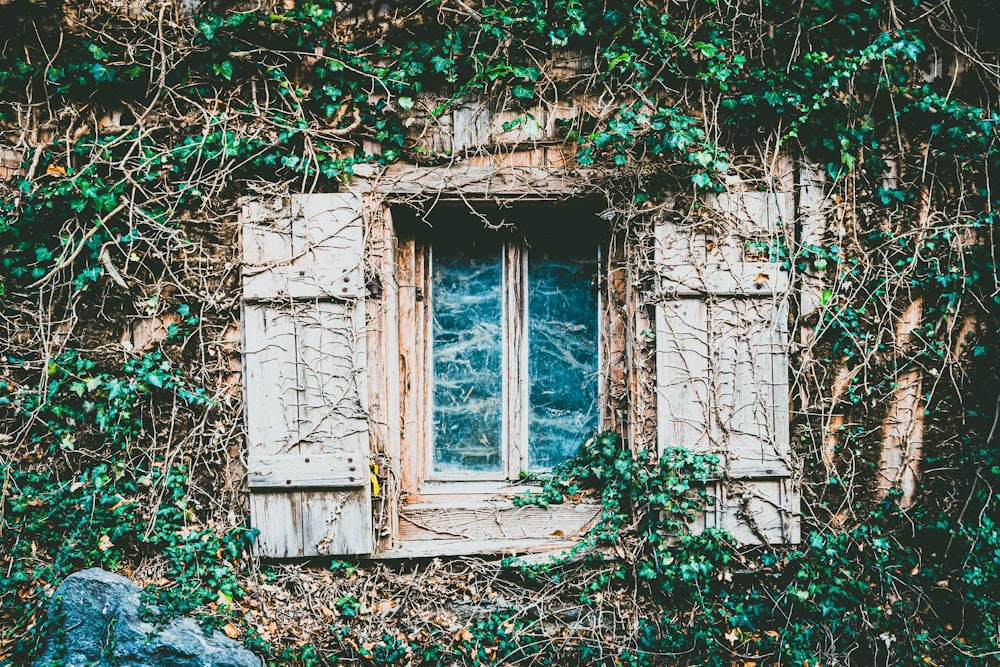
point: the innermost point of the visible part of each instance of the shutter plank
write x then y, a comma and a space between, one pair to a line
750, 279
682, 371
306, 470
331, 349
270, 374
307, 247
278, 518
293, 282
265, 234
329, 234
748, 365
761, 511
747, 216
338, 522
334, 420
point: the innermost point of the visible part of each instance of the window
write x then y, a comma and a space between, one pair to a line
441, 354
510, 310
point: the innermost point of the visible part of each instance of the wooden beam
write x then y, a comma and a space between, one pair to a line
445, 548
494, 520
308, 471
314, 282
383, 371
460, 181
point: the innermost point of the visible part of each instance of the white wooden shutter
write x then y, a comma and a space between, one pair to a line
721, 352
304, 375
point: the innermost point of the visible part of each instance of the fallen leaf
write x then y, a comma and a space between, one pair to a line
230, 631
224, 599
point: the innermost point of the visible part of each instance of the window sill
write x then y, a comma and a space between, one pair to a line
503, 488
460, 524
460, 547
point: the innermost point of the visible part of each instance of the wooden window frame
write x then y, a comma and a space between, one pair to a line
416, 519
422, 479
480, 507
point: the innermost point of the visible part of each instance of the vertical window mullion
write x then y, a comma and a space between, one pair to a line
601, 279
522, 291
426, 382
515, 360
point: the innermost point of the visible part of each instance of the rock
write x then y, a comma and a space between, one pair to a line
94, 622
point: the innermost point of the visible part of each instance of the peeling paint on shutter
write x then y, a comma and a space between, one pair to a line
722, 367
304, 375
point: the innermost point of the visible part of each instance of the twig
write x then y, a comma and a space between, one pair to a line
79, 248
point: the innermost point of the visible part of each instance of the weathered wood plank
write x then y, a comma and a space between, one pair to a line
750, 279
445, 548
758, 511
305, 393
328, 229
411, 371
330, 337
10, 161
494, 520
461, 181
740, 217
337, 522
306, 470
813, 210
383, 372
642, 357
314, 282
682, 375
265, 232
270, 379
308, 247
616, 352
773, 342
903, 427
313, 523
748, 379
752, 212
722, 377
515, 422
472, 125
278, 517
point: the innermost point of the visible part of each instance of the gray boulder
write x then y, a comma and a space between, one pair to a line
94, 622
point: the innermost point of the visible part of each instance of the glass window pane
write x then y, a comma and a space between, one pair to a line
562, 349
468, 354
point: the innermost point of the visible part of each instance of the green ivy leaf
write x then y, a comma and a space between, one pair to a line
523, 92
224, 69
